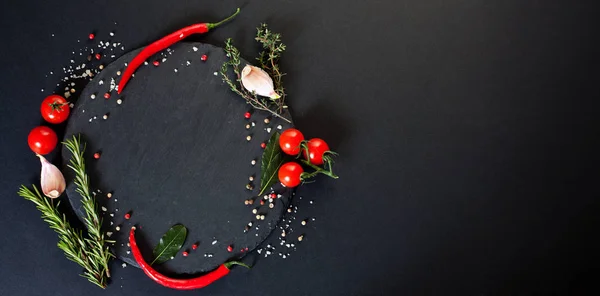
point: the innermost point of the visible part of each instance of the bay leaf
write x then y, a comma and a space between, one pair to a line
272, 159
169, 244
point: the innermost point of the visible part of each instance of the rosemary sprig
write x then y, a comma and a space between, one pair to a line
268, 61
71, 241
99, 251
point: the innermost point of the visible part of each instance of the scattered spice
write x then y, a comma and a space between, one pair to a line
119, 101
185, 253
109, 195
127, 216
263, 145
91, 36
97, 56
204, 57
107, 96
97, 155
156, 63
248, 138
247, 115
229, 249
195, 246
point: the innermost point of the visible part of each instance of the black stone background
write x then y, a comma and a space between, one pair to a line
189, 167
466, 131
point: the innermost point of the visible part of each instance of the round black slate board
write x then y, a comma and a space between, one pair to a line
175, 151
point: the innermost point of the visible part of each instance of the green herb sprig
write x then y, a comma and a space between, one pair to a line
268, 61
100, 252
91, 252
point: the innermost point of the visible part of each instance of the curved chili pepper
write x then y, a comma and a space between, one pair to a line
165, 42
179, 284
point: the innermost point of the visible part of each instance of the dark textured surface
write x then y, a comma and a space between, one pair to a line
467, 133
174, 152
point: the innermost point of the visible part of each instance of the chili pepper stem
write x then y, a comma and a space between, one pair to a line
231, 263
214, 25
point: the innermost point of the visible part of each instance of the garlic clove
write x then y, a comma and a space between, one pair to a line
255, 79
52, 180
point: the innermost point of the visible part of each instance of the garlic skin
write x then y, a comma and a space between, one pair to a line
255, 79
52, 180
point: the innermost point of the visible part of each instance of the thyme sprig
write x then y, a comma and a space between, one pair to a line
268, 60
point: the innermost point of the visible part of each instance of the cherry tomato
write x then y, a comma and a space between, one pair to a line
289, 174
42, 140
290, 140
316, 148
55, 109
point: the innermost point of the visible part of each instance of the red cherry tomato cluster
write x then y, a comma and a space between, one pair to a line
55, 109
315, 152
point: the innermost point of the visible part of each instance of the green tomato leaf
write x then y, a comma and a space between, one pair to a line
169, 244
272, 159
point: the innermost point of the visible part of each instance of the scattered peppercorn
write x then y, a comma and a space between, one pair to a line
263, 145
262, 202
156, 63
247, 126
253, 162
101, 67
185, 253
254, 211
262, 217
105, 117
93, 96
107, 96
247, 115
301, 237
97, 56
249, 186
204, 57
109, 195
251, 178
303, 222
248, 138
72, 90
127, 216
97, 155
273, 195
229, 249
91, 36
118, 73
195, 246
271, 205
119, 101
267, 120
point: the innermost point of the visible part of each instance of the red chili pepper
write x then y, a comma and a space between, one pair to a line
179, 284
165, 42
